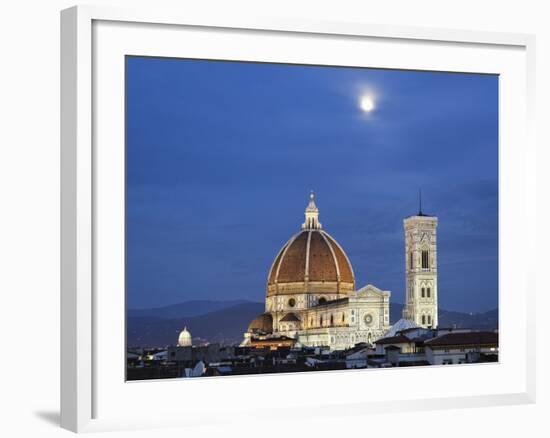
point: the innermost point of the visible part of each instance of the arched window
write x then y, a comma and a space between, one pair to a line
411, 260
428, 292
343, 317
425, 260
321, 320
322, 300
423, 292
423, 319
331, 319
429, 319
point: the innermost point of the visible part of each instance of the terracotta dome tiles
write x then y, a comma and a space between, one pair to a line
263, 323
293, 263
322, 266
321, 258
344, 265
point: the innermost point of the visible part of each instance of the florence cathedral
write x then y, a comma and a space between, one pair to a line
312, 298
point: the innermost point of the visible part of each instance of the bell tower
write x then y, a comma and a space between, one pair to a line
421, 269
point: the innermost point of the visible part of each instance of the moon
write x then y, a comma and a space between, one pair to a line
367, 104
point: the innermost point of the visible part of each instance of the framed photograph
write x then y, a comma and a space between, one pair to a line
340, 215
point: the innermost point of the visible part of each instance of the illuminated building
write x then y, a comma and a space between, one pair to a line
312, 299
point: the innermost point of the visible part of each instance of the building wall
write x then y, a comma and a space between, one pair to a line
444, 356
421, 282
363, 317
208, 353
335, 338
280, 305
405, 347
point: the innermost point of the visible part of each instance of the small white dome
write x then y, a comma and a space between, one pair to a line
184, 339
402, 324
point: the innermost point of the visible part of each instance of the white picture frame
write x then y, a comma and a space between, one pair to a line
90, 401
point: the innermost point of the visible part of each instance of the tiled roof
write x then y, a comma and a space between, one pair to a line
332, 302
293, 261
399, 326
400, 339
322, 258
410, 329
346, 274
290, 317
262, 323
465, 338
322, 266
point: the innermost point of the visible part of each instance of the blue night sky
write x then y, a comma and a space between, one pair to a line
221, 157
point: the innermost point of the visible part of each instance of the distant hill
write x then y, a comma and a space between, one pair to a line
479, 321
226, 321
184, 310
447, 318
225, 326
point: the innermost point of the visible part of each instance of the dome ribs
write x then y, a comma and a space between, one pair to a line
311, 262
308, 252
292, 267
322, 264
262, 323
346, 272
274, 268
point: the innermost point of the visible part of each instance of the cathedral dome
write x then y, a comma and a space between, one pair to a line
311, 262
262, 323
402, 324
184, 339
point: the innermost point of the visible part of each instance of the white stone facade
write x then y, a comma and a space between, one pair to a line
457, 355
184, 338
421, 270
340, 323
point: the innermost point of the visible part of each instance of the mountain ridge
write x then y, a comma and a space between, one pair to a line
225, 322
185, 309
